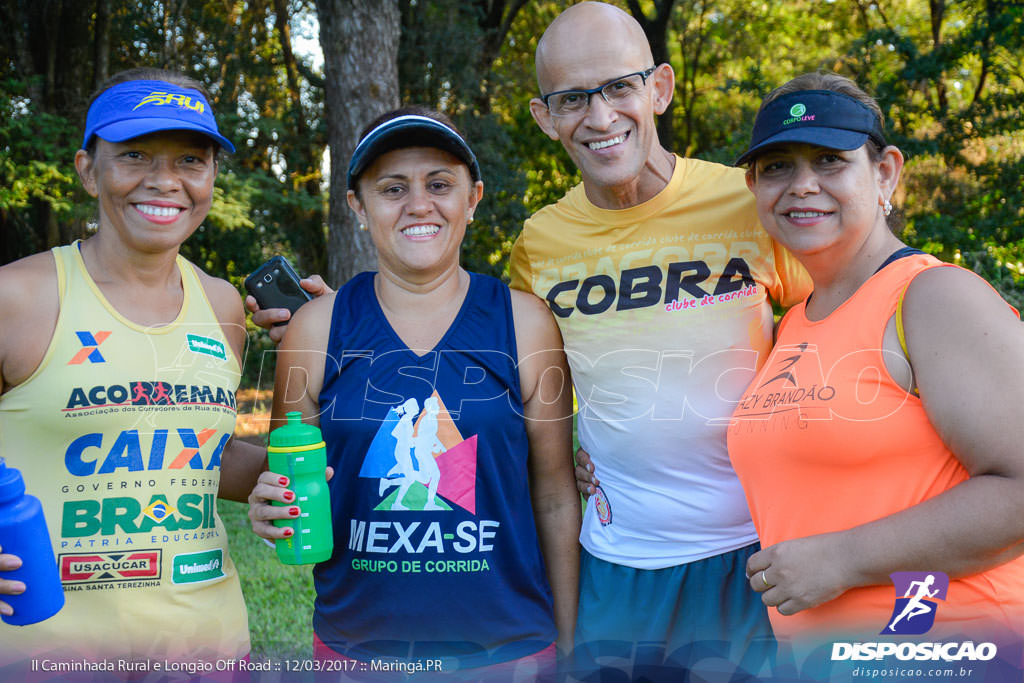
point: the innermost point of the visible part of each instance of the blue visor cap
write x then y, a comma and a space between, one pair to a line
135, 108
411, 130
815, 117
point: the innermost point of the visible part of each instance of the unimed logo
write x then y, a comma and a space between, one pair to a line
196, 567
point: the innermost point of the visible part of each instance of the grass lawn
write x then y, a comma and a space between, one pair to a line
279, 596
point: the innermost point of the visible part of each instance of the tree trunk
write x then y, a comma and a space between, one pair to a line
360, 44
309, 243
101, 44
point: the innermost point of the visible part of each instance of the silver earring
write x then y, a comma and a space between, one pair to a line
887, 207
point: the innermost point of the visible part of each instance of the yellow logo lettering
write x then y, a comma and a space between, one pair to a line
160, 98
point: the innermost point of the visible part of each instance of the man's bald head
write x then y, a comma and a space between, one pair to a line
597, 23
613, 143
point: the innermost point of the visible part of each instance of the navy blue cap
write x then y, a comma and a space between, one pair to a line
411, 130
135, 108
816, 117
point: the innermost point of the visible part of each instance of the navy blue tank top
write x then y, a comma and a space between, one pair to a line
435, 548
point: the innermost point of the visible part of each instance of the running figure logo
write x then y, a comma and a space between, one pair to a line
914, 613
415, 449
424, 457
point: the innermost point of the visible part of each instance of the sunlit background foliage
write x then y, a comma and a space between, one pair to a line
948, 75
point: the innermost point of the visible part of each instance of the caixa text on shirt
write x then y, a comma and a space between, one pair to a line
133, 450
148, 393
648, 286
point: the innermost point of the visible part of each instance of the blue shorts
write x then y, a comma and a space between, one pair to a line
654, 622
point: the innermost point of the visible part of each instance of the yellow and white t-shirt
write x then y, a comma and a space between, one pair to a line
120, 433
664, 309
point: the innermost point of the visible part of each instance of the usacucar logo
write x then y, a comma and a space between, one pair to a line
138, 565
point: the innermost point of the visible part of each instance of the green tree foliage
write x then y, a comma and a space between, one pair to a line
38, 188
548, 170
268, 198
951, 83
947, 73
948, 77
448, 59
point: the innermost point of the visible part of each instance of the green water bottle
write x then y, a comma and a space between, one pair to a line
297, 451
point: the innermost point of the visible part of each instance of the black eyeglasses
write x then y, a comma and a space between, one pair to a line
614, 92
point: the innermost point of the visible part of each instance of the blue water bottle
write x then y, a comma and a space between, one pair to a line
23, 533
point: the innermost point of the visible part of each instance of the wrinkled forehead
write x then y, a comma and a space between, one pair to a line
583, 74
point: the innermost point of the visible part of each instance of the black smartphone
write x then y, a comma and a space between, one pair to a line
275, 284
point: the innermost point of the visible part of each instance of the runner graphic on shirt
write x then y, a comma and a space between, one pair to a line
425, 446
425, 457
404, 468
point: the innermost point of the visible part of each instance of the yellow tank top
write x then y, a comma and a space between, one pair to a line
120, 432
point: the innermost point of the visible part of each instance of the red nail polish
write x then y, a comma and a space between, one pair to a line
283, 481
294, 512
289, 496
288, 532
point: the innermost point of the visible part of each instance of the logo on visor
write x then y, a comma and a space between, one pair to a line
914, 612
160, 98
798, 112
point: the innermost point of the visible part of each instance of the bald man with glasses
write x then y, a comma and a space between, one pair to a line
661, 280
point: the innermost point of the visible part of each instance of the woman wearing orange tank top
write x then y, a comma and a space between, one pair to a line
883, 466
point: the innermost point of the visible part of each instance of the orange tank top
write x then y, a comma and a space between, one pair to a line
824, 440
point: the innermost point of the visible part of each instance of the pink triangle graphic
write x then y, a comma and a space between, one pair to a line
458, 474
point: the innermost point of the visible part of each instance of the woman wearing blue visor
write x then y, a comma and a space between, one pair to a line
880, 444
443, 400
117, 399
